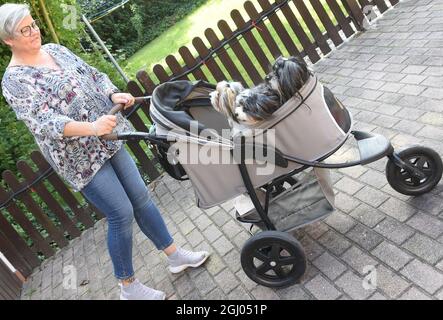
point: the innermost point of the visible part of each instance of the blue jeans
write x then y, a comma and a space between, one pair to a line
120, 193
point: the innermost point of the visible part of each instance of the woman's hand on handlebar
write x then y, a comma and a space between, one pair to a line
104, 125
124, 98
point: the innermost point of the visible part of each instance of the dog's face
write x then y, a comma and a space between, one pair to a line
288, 76
256, 104
224, 96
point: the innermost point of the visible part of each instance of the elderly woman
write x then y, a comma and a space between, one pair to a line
64, 101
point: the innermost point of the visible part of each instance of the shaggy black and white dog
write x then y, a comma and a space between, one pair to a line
249, 106
288, 76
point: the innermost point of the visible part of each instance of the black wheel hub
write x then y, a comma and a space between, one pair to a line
423, 169
273, 262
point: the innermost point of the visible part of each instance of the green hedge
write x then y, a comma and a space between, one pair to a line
131, 27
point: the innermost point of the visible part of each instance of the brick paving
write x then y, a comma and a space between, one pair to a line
390, 77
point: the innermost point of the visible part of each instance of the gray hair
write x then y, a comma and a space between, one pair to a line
11, 14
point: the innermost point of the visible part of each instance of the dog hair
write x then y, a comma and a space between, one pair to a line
223, 99
249, 106
256, 104
288, 76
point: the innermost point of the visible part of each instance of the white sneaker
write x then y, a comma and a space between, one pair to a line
182, 259
138, 291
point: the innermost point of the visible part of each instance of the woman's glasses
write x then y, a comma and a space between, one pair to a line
27, 30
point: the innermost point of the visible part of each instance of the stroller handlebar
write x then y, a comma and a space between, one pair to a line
114, 110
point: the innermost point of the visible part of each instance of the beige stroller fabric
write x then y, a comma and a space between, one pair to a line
302, 128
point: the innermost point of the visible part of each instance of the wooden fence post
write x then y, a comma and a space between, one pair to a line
355, 13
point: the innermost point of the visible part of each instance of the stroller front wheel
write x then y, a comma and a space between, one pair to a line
426, 160
273, 259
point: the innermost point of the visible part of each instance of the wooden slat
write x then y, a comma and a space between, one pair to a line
7, 292
191, 62
54, 233
224, 57
394, 2
52, 204
251, 41
29, 255
135, 119
176, 68
134, 89
240, 53
13, 279
308, 46
341, 19
10, 286
146, 82
40, 244
14, 257
263, 30
355, 12
381, 4
8, 289
327, 23
312, 26
144, 106
212, 65
280, 29
161, 73
82, 214
364, 3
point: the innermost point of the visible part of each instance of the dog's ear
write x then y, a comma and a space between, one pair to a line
292, 76
267, 104
231, 95
237, 87
232, 91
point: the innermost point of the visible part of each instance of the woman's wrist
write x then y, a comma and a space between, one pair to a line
110, 95
94, 129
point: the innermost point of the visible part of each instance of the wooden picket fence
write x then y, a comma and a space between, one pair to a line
30, 233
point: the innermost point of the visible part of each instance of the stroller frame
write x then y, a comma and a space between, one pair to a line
268, 245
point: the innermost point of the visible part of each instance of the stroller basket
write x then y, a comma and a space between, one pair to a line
300, 204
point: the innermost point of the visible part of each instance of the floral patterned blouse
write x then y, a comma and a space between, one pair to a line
46, 99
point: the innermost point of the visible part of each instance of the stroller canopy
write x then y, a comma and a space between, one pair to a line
173, 100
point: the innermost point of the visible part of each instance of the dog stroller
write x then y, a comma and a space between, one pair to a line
265, 169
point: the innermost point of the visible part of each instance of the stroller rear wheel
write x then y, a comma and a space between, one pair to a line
426, 160
273, 259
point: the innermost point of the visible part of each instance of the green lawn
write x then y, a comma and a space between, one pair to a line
196, 23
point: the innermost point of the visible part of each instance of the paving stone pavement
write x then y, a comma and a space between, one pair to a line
390, 77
